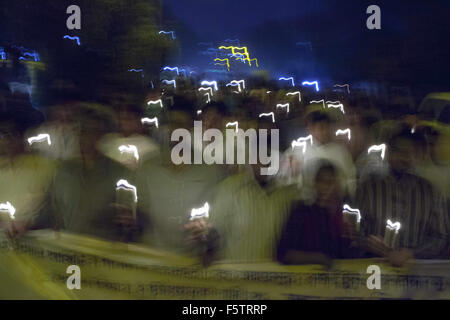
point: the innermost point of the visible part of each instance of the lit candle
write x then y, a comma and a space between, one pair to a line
200, 213
126, 196
391, 233
9, 209
353, 216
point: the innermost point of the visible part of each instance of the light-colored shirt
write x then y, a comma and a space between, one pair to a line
24, 183
250, 218
167, 196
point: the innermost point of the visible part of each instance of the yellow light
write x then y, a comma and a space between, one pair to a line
226, 60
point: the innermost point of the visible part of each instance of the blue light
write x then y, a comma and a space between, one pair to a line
168, 32
215, 71
231, 41
311, 83
35, 55
288, 79
73, 38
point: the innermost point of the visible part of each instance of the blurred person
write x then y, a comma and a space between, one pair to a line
317, 233
83, 194
432, 139
171, 191
60, 122
296, 165
247, 215
130, 134
62, 128
25, 178
405, 198
366, 164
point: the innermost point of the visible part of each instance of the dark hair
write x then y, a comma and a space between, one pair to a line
327, 166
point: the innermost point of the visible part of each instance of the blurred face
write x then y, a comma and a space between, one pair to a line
89, 136
320, 131
400, 154
360, 135
11, 143
129, 122
327, 187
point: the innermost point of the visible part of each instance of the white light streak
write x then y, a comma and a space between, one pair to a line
343, 85
294, 93
199, 213
239, 82
210, 83
269, 114
318, 101
168, 32
337, 106
344, 131
381, 147
301, 142
8, 208
349, 210
286, 105
311, 83
155, 102
393, 225
170, 82
206, 89
129, 149
209, 97
172, 69
39, 138
235, 123
125, 185
288, 79
150, 121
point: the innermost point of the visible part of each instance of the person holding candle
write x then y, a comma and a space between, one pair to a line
405, 198
317, 233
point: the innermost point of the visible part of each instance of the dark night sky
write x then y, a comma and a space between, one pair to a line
412, 39
234, 17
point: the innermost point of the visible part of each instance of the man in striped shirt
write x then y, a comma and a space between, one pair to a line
407, 199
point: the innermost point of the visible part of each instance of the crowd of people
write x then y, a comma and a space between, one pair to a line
330, 199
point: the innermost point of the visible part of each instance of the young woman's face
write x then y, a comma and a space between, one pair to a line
327, 186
